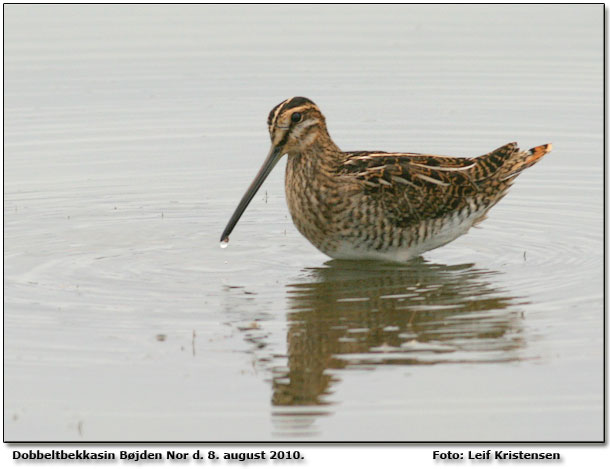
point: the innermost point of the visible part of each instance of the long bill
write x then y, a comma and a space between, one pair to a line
272, 158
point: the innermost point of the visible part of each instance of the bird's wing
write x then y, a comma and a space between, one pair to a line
413, 186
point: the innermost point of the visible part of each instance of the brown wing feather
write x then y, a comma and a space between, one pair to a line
413, 186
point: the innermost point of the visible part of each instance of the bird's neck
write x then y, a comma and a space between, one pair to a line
316, 155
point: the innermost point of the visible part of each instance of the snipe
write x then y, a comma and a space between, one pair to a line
378, 205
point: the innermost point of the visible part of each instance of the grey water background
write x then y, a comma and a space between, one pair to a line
131, 132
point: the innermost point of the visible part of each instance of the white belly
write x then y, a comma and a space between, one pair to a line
450, 229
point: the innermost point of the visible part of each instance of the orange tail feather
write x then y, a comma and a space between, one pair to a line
537, 153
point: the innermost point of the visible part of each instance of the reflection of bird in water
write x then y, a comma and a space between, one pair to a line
414, 314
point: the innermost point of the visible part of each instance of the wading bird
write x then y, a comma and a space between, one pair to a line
374, 204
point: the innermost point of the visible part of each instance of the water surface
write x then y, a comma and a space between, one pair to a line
131, 132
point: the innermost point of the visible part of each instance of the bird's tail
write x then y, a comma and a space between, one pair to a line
521, 160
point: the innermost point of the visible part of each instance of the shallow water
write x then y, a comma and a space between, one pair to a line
131, 132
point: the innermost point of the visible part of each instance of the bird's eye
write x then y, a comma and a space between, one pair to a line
296, 117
